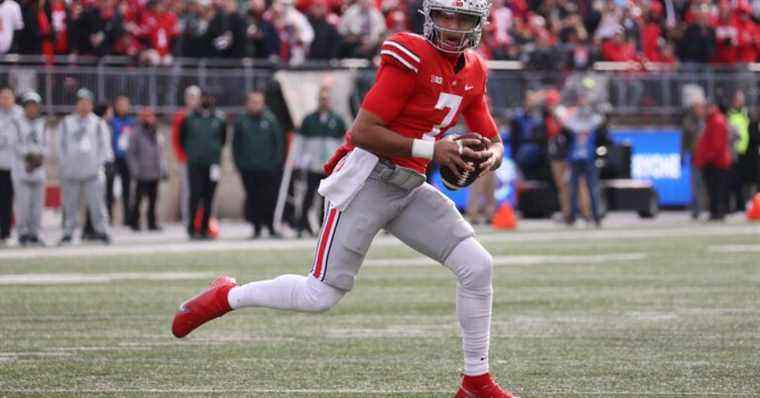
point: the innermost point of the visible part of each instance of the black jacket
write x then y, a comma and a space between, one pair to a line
227, 34
90, 22
697, 44
326, 40
29, 39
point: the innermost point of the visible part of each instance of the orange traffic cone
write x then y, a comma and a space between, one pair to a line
753, 213
213, 228
504, 218
213, 224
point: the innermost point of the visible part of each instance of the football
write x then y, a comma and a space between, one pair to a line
450, 179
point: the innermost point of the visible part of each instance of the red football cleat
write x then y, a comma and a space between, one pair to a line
481, 386
211, 303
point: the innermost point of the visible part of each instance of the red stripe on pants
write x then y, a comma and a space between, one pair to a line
323, 240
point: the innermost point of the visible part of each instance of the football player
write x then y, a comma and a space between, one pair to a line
376, 181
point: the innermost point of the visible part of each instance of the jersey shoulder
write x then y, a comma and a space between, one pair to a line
406, 50
477, 70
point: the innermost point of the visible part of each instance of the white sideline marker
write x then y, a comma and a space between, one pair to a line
63, 279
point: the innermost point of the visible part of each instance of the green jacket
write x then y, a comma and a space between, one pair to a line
202, 135
331, 126
321, 135
258, 142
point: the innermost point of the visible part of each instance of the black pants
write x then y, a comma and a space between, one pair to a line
147, 189
716, 180
736, 199
121, 169
260, 198
312, 184
202, 190
6, 203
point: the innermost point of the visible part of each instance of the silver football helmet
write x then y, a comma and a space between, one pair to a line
475, 14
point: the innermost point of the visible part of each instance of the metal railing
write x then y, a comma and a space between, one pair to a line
628, 91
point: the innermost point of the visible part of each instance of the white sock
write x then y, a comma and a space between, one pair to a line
286, 292
473, 266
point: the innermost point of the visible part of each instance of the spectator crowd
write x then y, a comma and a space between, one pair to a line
537, 32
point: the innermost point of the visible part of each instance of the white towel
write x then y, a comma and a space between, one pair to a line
348, 177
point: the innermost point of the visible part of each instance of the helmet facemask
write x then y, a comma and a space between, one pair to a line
464, 20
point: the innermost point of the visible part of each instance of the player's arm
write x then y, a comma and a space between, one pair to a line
390, 93
479, 120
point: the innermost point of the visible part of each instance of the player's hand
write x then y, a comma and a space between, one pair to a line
450, 153
489, 158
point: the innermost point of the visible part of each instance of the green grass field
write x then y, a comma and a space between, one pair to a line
674, 315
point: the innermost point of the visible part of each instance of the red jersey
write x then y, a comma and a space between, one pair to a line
420, 94
726, 41
749, 41
161, 28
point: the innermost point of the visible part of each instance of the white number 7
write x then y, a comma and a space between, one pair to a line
445, 100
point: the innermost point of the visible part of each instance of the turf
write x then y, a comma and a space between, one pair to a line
682, 321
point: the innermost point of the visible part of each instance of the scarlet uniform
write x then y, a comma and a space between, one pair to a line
420, 93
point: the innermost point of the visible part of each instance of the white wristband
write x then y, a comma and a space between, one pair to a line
423, 149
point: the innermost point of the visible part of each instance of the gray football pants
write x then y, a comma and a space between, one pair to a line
29, 197
421, 217
92, 191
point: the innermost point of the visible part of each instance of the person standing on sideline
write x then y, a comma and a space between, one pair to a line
9, 112
713, 158
202, 134
583, 123
84, 146
29, 171
147, 166
739, 121
322, 133
122, 124
192, 101
104, 111
692, 126
257, 148
751, 165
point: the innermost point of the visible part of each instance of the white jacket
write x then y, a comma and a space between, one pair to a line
32, 139
8, 136
84, 146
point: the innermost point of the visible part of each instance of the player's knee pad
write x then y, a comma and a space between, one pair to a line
472, 264
319, 296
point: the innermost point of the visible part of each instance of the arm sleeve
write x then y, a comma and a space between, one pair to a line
390, 93
18, 143
176, 145
61, 139
132, 154
479, 119
236, 134
105, 133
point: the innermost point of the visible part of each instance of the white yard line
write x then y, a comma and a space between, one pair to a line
142, 248
249, 391
513, 260
735, 248
61, 279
